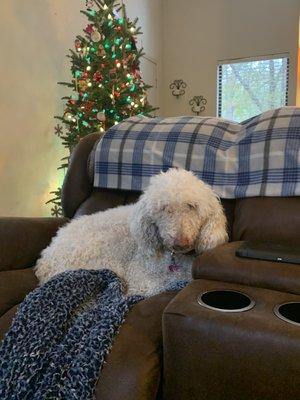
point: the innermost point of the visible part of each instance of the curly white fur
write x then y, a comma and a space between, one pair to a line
177, 212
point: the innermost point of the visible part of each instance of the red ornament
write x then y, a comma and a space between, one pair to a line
119, 29
89, 29
84, 75
97, 76
72, 101
102, 66
87, 106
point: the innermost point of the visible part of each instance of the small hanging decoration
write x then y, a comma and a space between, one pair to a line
89, 3
101, 50
97, 77
82, 84
87, 107
177, 87
58, 130
113, 74
56, 211
101, 116
78, 45
96, 36
89, 29
198, 104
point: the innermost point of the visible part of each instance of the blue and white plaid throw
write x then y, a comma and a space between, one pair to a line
258, 157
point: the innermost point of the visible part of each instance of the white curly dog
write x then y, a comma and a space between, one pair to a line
147, 244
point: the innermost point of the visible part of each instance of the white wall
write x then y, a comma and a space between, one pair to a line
35, 37
198, 33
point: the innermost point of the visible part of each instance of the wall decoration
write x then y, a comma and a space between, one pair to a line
198, 104
177, 87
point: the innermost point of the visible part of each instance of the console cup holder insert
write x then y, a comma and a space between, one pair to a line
226, 301
289, 312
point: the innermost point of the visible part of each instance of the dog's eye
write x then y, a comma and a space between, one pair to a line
192, 206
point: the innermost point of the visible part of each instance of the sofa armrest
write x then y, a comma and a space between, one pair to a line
210, 354
22, 240
14, 286
221, 264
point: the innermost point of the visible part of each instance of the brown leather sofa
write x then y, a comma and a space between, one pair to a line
168, 346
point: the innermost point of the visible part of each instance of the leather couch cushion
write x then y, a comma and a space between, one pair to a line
274, 219
221, 264
103, 199
22, 240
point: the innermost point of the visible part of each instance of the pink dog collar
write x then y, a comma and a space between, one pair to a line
174, 267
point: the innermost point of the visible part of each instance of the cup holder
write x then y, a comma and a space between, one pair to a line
289, 312
226, 301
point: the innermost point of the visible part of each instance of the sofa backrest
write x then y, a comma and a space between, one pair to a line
259, 218
274, 219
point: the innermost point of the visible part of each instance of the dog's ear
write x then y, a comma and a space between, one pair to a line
213, 232
143, 228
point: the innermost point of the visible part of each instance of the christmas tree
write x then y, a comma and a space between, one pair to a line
106, 81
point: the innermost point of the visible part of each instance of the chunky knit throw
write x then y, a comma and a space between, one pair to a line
63, 330
60, 336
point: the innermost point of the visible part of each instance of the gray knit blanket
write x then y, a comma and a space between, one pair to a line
60, 336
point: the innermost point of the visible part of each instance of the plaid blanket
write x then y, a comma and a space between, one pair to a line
258, 157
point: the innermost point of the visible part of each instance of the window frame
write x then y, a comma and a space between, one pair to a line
249, 59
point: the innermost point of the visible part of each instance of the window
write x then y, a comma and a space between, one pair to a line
247, 87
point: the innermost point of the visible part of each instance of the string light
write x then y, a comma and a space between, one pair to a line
89, 84
118, 65
88, 68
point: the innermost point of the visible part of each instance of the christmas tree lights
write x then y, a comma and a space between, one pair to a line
106, 81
